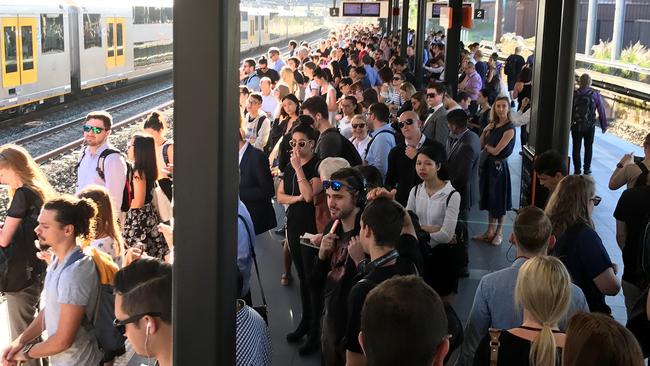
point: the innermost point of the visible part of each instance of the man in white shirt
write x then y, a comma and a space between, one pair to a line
96, 130
269, 101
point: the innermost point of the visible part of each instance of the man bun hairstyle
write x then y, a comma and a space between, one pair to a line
78, 212
155, 121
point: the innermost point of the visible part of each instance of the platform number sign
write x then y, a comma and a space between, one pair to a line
479, 13
334, 12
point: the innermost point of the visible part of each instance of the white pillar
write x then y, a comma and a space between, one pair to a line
619, 27
592, 17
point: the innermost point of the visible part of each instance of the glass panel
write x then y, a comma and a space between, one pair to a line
92, 31
109, 40
52, 33
120, 40
167, 15
11, 55
139, 15
28, 47
154, 15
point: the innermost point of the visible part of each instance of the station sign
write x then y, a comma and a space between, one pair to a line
446, 14
479, 13
373, 9
334, 12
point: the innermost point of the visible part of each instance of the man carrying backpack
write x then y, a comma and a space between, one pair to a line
101, 163
71, 291
586, 101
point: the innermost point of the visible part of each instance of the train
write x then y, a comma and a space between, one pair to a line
52, 49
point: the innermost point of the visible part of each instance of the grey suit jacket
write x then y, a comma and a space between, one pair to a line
435, 127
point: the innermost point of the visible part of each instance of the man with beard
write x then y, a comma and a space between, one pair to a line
335, 267
100, 162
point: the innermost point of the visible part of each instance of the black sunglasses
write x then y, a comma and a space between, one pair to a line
431, 95
397, 79
120, 325
336, 185
360, 125
96, 130
596, 200
406, 122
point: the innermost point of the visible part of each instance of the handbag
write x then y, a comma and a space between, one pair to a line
162, 203
260, 309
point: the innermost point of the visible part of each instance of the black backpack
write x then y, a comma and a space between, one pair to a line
127, 193
584, 111
639, 324
643, 259
642, 179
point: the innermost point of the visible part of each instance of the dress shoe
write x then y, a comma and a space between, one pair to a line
312, 345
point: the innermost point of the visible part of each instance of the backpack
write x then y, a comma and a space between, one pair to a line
643, 264
584, 111
19, 267
165, 151
638, 323
127, 192
110, 340
642, 179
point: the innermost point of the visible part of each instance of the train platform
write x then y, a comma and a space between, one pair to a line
284, 302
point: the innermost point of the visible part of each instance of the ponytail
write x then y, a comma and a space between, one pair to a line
542, 350
155, 121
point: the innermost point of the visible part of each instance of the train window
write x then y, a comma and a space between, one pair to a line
167, 15
11, 55
244, 16
92, 31
154, 15
27, 37
262, 24
109, 39
139, 15
120, 39
244, 35
52, 33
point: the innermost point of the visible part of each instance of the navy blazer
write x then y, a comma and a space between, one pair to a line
256, 189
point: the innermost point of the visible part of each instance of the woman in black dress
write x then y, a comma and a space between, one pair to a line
498, 142
297, 189
543, 290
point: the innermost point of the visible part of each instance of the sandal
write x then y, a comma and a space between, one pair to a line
496, 240
285, 280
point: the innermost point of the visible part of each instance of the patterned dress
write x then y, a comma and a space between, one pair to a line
141, 226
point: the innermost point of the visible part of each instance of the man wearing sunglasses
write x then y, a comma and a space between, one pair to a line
100, 156
435, 126
335, 267
143, 308
401, 173
263, 70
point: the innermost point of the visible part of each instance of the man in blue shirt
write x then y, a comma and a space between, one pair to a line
494, 301
382, 138
245, 241
248, 75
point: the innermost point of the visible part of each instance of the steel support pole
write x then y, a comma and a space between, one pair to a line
592, 17
499, 8
389, 20
205, 81
420, 34
405, 28
565, 76
619, 29
452, 51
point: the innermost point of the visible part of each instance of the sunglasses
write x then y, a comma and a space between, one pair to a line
336, 185
406, 122
120, 325
596, 200
397, 79
431, 95
95, 130
360, 125
301, 143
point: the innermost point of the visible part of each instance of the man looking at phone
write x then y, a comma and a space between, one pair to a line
338, 256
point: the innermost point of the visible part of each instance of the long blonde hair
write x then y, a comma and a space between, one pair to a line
287, 77
18, 160
105, 221
569, 203
543, 289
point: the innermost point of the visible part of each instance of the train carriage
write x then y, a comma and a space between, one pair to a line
34, 53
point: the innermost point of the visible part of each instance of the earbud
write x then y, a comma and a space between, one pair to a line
148, 327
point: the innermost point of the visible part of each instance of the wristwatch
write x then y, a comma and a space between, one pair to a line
26, 350
619, 166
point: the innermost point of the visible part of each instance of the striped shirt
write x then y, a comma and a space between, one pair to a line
253, 344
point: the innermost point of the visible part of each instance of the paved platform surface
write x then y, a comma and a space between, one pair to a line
284, 302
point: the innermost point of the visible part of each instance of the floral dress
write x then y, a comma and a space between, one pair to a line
141, 226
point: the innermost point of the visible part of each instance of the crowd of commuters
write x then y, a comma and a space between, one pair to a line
377, 172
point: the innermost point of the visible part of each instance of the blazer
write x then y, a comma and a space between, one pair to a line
462, 166
435, 127
256, 189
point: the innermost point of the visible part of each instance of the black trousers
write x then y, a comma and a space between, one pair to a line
312, 303
524, 136
578, 137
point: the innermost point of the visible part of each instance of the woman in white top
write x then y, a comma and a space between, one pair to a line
437, 203
360, 137
350, 108
107, 236
327, 89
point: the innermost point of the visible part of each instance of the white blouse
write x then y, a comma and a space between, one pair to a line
434, 211
361, 145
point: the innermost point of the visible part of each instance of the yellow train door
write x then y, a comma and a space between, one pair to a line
115, 33
17, 48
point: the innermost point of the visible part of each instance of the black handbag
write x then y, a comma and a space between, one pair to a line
260, 309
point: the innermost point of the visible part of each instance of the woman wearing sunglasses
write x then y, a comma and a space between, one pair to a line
578, 245
360, 137
297, 189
